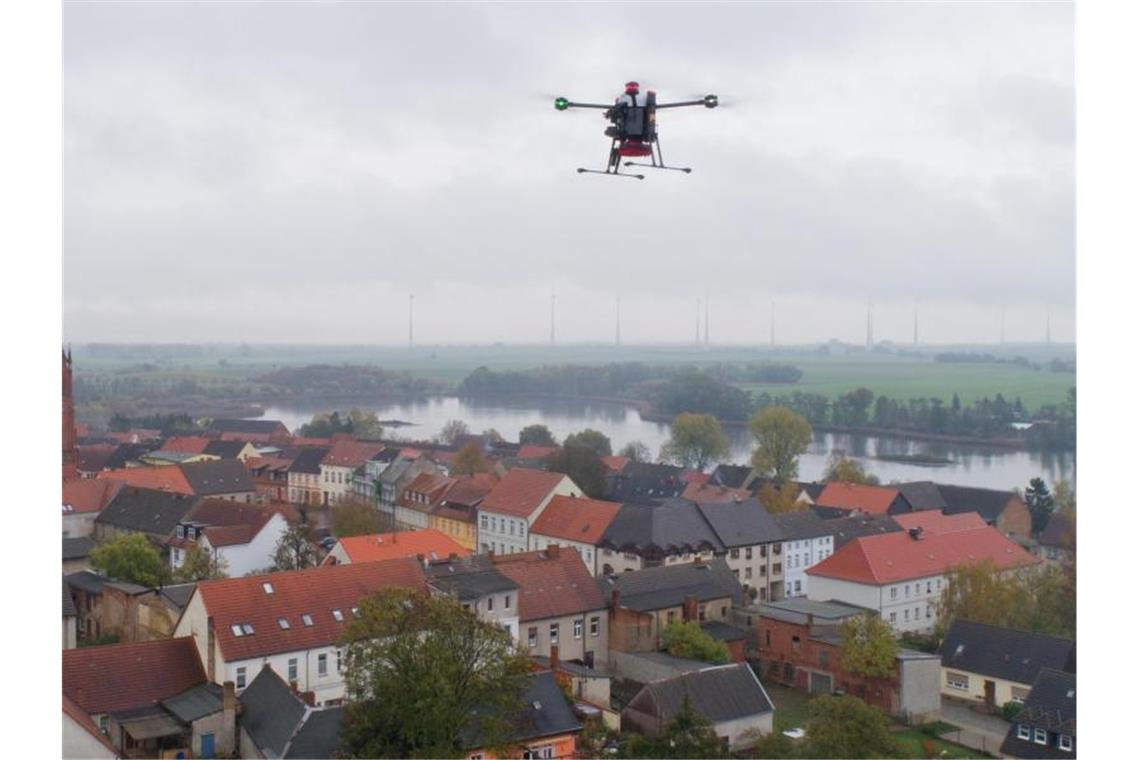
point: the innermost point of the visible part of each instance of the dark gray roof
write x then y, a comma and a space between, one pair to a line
730, 475
246, 426
77, 548
1059, 531
218, 476
545, 713
1005, 653
86, 581
803, 524
656, 588
68, 603
319, 736
645, 483
723, 631
145, 510
308, 460
727, 692
922, 494
844, 529
224, 449
127, 452
179, 595
987, 502
196, 702
744, 523
270, 711
796, 610
468, 578
1051, 705
668, 528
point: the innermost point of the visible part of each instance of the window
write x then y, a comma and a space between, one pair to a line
267, 588
1040, 736
823, 658
928, 587
239, 680
906, 615
671, 616
595, 625
356, 612
507, 602
767, 637
957, 680
554, 633
577, 629
777, 568
247, 629
701, 613
104, 723
1018, 694
893, 617
322, 665
490, 603
284, 623
894, 593
532, 636
929, 613
338, 616
748, 552
735, 554
1065, 742
339, 655
748, 572
795, 643
180, 532
293, 670
483, 522
1023, 732
307, 619
797, 587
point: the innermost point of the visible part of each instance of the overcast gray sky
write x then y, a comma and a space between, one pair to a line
290, 172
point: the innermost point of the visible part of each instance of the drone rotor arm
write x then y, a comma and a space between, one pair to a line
563, 104
708, 101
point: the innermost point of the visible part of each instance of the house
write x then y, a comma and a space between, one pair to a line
732, 476
220, 478
82, 502
160, 457
190, 444
240, 537
76, 552
340, 463
643, 535
1047, 726
644, 602
576, 523
1004, 510
168, 478
511, 508
988, 666
366, 478
457, 515
276, 721
800, 646
753, 543
731, 697
231, 449
305, 476
1057, 544
808, 539
901, 575
615, 464
847, 498
477, 584
922, 495
558, 604
645, 483
70, 619
428, 544
82, 739
700, 493
270, 476
92, 458
138, 694
398, 474
261, 431
846, 529
418, 499
546, 728
291, 620
154, 513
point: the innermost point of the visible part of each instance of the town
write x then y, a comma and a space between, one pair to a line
243, 590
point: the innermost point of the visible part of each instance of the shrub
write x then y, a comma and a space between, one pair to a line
1010, 710
690, 641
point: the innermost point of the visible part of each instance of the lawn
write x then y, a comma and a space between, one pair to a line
912, 740
790, 704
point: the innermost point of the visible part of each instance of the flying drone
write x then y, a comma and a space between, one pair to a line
633, 128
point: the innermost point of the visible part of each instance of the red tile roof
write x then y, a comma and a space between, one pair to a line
576, 519
88, 495
83, 720
430, 486
615, 463
191, 444
409, 543
534, 451
469, 490
350, 453
316, 592
94, 457
161, 478
931, 521
112, 677
521, 491
552, 583
892, 557
873, 500
229, 522
702, 493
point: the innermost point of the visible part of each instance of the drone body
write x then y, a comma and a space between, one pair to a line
633, 128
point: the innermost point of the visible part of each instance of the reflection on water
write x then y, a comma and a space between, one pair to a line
972, 465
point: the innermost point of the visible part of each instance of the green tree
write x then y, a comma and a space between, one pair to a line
356, 517
537, 435
591, 440
697, 440
869, 646
688, 640
583, 466
779, 498
296, 549
365, 425
691, 734
452, 430
131, 558
469, 460
781, 437
1065, 499
1040, 503
636, 451
422, 673
982, 593
843, 727
846, 470
1054, 593
200, 565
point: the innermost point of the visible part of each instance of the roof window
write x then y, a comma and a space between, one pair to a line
267, 587
338, 616
247, 629
236, 629
284, 623
307, 619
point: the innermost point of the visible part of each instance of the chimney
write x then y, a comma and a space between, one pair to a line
689, 608
698, 561
915, 533
210, 648
552, 551
309, 698
226, 743
554, 661
614, 594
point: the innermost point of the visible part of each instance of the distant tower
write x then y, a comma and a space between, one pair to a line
617, 335
706, 319
1048, 337
870, 334
411, 315
916, 324
552, 319
70, 451
772, 325
697, 340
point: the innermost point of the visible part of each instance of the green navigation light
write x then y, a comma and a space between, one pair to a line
561, 104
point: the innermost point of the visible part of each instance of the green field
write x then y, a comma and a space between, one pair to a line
890, 374
912, 746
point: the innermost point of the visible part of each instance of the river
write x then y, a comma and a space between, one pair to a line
972, 465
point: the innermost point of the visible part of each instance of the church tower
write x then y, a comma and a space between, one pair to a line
70, 452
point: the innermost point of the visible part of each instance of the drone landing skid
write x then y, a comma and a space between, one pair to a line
659, 162
614, 173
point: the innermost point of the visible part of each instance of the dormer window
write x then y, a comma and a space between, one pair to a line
181, 531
